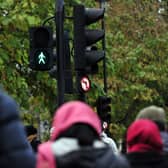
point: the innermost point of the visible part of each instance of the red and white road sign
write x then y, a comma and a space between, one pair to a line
85, 84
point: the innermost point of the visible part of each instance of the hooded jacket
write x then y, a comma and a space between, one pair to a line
109, 141
14, 148
142, 136
144, 145
66, 152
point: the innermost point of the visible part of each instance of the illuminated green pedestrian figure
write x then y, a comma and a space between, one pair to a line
41, 48
41, 58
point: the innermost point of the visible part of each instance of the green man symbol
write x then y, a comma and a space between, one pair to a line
41, 58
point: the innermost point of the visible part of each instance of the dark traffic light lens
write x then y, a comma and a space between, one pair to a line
41, 37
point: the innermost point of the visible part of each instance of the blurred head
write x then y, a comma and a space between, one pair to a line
154, 113
30, 130
143, 136
76, 119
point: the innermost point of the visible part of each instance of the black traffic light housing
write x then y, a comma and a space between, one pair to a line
86, 59
104, 108
41, 48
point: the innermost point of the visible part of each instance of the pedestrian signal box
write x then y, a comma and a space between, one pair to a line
41, 48
104, 108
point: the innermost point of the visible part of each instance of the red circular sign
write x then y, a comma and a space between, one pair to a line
85, 84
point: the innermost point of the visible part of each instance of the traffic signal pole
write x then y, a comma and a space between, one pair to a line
59, 20
102, 5
104, 48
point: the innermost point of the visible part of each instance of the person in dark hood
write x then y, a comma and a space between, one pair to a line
32, 138
14, 148
144, 145
75, 141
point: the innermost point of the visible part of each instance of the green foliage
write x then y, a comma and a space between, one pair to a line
117, 131
136, 44
35, 92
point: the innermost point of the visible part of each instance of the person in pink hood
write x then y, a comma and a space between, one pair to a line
75, 141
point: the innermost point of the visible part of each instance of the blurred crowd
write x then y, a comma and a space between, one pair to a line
78, 138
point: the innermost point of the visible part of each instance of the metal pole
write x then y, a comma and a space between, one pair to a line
102, 5
59, 20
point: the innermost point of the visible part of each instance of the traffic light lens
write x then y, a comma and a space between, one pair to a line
41, 37
42, 57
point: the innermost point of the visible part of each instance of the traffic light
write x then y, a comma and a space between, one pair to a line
41, 48
85, 57
103, 108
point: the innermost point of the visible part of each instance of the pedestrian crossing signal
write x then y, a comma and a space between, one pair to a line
42, 57
103, 106
41, 48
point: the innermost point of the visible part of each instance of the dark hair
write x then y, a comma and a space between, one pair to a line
83, 132
30, 130
161, 125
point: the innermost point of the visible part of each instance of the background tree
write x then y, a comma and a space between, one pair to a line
34, 91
